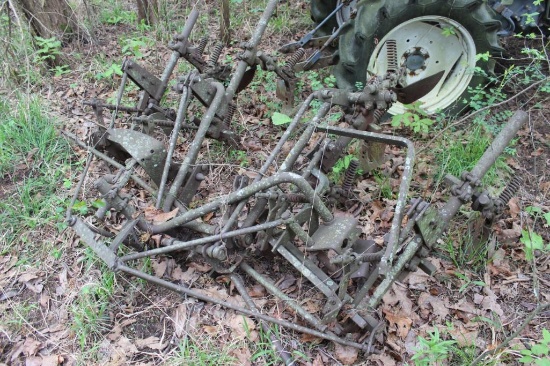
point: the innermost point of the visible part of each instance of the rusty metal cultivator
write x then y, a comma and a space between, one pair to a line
290, 208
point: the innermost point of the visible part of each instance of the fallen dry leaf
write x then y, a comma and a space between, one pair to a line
397, 295
242, 327
256, 291
188, 276
26, 277
159, 266
427, 301
211, 329
28, 347
125, 346
243, 355
179, 318
200, 267
158, 216
400, 323
150, 342
463, 337
514, 207
489, 302
345, 354
383, 360
44, 361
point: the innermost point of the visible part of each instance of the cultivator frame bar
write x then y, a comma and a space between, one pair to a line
291, 212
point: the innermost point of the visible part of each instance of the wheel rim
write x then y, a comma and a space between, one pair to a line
428, 45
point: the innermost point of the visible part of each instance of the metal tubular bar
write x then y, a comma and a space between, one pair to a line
387, 259
487, 159
499, 143
189, 292
286, 135
305, 266
275, 342
119, 98
304, 139
181, 245
453, 205
174, 57
313, 320
252, 44
300, 233
245, 193
122, 108
260, 204
184, 102
394, 271
195, 146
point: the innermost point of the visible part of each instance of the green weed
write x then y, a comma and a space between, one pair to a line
203, 352
90, 318
432, 350
47, 49
539, 353
115, 14
461, 248
33, 160
16, 316
415, 118
530, 238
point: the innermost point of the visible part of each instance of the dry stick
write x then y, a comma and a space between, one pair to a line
540, 308
225, 25
481, 110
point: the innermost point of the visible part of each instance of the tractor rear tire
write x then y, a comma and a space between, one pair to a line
431, 36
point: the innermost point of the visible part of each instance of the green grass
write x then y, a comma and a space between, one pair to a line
460, 247
457, 154
33, 162
90, 310
203, 352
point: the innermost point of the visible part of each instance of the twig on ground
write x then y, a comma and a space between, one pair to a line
540, 308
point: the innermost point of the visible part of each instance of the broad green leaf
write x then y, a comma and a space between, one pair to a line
526, 359
279, 119
98, 203
539, 349
397, 120
542, 362
533, 209
547, 218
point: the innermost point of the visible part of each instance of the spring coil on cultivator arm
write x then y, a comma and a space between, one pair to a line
281, 207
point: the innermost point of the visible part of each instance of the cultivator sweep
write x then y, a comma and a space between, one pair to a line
288, 206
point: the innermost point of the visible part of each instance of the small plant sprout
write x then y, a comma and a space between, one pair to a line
415, 117
432, 350
539, 353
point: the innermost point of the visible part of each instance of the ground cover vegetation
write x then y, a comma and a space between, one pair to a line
60, 306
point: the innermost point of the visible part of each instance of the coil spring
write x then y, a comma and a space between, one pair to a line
215, 55
295, 58
377, 115
295, 197
231, 108
350, 175
511, 189
391, 53
202, 45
